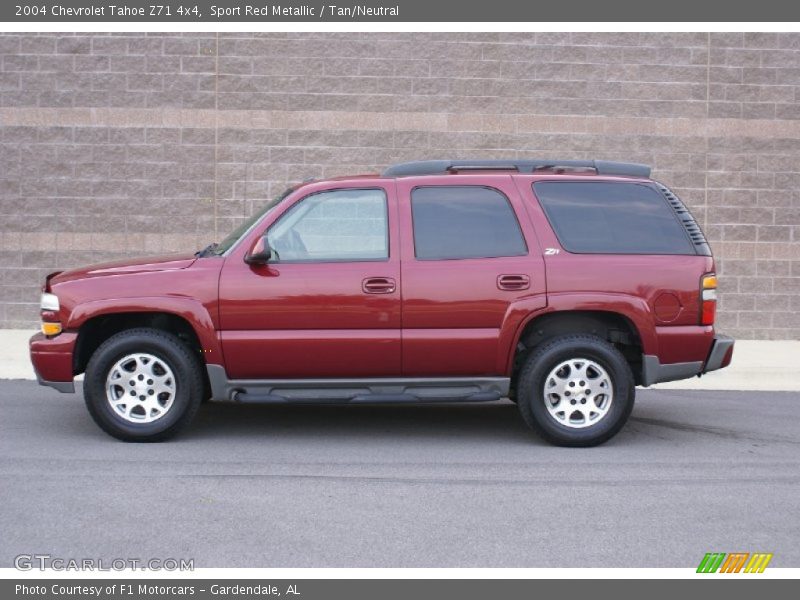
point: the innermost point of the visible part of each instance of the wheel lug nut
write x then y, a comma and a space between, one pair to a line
572, 401
150, 392
141, 377
133, 392
149, 382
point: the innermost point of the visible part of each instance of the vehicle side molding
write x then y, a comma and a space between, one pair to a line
65, 387
654, 372
356, 391
718, 357
720, 352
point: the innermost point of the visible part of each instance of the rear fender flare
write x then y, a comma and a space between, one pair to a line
519, 315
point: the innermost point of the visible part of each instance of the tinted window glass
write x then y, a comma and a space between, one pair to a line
464, 222
611, 218
339, 225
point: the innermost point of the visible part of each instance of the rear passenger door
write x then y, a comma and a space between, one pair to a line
468, 255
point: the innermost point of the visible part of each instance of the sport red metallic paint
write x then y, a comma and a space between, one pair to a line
446, 324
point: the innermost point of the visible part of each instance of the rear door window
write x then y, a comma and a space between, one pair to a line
464, 221
611, 218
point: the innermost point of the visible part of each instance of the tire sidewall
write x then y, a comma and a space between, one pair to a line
622, 386
130, 343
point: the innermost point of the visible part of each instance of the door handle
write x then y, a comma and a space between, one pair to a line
513, 282
378, 285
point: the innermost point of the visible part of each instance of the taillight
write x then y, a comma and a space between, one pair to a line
708, 292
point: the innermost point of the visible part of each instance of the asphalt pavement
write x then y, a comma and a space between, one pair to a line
404, 486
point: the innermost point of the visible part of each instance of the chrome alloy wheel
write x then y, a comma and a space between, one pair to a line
140, 388
578, 393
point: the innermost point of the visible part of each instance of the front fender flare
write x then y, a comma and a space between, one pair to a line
194, 312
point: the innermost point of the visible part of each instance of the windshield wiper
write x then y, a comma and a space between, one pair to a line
206, 251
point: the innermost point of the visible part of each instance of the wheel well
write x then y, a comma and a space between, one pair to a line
612, 327
98, 329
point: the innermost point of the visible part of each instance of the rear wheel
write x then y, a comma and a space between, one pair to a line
576, 390
143, 385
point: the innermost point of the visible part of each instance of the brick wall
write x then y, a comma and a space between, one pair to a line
122, 144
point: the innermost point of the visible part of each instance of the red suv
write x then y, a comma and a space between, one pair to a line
559, 284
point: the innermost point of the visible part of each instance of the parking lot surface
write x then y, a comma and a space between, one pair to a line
404, 486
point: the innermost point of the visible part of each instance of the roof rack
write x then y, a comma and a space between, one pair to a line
443, 167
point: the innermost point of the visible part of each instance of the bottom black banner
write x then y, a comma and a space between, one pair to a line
387, 589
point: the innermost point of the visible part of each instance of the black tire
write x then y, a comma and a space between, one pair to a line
544, 359
188, 384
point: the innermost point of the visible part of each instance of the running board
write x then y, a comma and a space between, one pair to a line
312, 396
356, 391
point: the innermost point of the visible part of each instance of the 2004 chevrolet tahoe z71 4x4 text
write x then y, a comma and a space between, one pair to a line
560, 284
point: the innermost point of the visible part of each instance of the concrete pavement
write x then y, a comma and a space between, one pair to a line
430, 486
14, 360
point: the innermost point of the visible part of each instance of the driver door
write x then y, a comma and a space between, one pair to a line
328, 303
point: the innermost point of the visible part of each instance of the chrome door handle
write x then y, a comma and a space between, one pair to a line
513, 282
378, 285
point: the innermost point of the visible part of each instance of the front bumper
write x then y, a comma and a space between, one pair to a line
52, 360
719, 356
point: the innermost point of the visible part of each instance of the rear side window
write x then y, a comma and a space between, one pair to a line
611, 218
464, 222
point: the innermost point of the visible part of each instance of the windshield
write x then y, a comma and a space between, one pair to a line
233, 236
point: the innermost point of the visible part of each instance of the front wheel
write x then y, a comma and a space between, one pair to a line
576, 390
143, 385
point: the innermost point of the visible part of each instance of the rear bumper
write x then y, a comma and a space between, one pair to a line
52, 360
721, 353
719, 356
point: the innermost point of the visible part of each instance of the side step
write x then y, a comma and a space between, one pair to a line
309, 398
356, 391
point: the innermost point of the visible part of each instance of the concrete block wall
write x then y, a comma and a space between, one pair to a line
122, 144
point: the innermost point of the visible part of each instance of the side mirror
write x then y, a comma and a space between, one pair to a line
260, 253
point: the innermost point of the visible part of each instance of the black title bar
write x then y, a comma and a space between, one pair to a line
232, 11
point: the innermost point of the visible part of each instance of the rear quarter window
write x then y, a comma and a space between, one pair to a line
611, 218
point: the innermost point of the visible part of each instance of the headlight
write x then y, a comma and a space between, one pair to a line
50, 307
49, 302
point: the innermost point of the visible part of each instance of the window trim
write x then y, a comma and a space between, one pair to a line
466, 185
286, 193
388, 256
692, 250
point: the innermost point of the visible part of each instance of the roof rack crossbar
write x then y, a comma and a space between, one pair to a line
443, 167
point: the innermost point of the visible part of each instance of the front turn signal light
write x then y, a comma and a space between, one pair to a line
708, 296
51, 329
